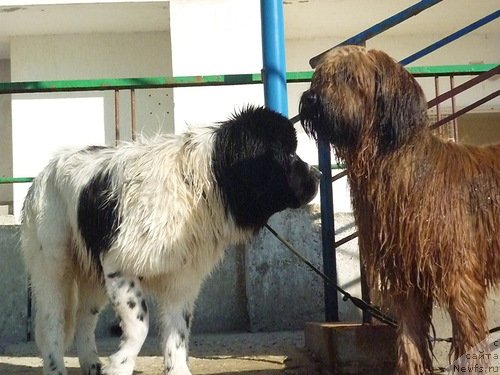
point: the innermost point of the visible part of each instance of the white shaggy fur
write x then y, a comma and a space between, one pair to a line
106, 223
173, 231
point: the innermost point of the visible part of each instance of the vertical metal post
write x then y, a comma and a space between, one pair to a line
453, 109
117, 116
273, 55
438, 111
133, 115
328, 229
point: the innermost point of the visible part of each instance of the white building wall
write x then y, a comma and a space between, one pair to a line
44, 123
210, 38
5, 136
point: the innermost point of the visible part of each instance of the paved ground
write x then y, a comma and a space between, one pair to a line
224, 354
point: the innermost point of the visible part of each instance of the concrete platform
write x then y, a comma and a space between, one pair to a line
353, 348
225, 354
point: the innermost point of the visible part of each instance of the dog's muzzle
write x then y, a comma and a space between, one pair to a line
315, 172
310, 112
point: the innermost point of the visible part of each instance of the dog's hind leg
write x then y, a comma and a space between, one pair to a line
468, 318
414, 314
51, 290
128, 300
92, 298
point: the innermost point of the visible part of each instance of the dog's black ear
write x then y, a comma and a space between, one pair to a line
400, 104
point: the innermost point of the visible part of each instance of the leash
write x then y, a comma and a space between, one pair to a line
373, 310
358, 302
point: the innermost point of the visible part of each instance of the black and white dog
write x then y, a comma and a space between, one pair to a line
112, 223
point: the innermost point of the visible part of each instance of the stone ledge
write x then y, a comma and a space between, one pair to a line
353, 348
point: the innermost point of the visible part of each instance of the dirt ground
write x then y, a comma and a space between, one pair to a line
224, 354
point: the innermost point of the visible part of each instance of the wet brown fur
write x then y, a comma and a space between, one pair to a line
428, 211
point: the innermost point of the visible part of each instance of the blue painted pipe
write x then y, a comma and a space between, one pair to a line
328, 230
450, 38
273, 54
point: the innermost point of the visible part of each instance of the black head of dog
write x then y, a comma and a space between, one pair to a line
360, 96
257, 169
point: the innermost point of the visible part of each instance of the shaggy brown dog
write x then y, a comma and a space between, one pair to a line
428, 211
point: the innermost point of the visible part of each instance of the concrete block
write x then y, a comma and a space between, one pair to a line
348, 267
13, 291
222, 304
282, 292
353, 348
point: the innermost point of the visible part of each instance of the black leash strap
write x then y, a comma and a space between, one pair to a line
369, 308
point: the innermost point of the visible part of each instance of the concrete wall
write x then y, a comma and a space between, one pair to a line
13, 293
259, 287
214, 37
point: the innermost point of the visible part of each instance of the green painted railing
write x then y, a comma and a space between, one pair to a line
10, 180
209, 80
199, 81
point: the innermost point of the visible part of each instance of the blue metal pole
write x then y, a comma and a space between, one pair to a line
273, 54
328, 230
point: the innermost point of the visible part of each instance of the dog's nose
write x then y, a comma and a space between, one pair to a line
309, 98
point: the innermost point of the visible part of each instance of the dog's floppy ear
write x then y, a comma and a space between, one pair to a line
400, 104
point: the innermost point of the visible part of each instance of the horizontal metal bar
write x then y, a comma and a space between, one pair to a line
448, 70
346, 239
193, 81
128, 83
450, 38
464, 110
11, 180
339, 175
464, 86
380, 27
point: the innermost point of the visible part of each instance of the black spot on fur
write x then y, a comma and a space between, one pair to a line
140, 317
144, 306
253, 163
97, 367
181, 340
131, 286
94, 311
113, 275
131, 303
124, 361
98, 214
187, 317
52, 363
